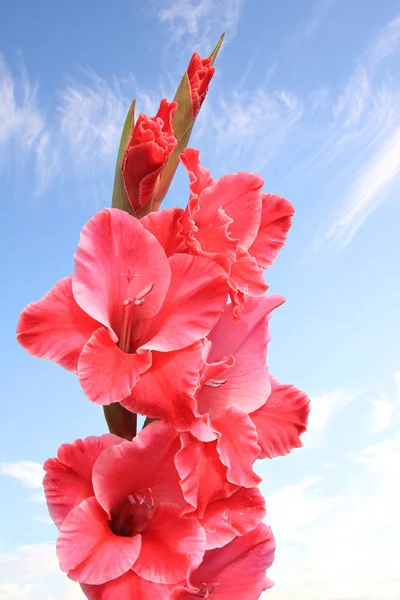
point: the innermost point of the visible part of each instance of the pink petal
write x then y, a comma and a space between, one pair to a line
200, 177
107, 374
239, 195
131, 467
68, 479
203, 476
166, 228
195, 300
128, 587
276, 218
170, 545
161, 394
247, 381
116, 259
88, 550
55, 327
237, 446
234, 516
281, 420
238, 569
246, 275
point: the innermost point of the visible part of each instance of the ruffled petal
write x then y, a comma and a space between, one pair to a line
68, 479
88, 550
238, 569
281, 420
196, 298
203, 476
170, 545
161, 394
117, 259
56, 327
166, 228
132, 467
276, 219
246, 276
247, 381
128, 587
107, 374
231, 517
237, 445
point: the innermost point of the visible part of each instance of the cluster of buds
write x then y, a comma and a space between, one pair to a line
166, 315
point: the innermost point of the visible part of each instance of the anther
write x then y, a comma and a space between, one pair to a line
215, 383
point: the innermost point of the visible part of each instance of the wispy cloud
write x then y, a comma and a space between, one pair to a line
22, 123
252, 125
201, 20
367, 135
29, 473
386, 410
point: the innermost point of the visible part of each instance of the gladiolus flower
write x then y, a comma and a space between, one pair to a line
128, 311
147, 151
230, 222
200, 72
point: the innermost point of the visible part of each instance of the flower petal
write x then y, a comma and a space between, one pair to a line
230, 517
203, 476
131, 467
281, 420
237, 446
166, 228
195, 300
107, 374
238, 569
276, 219
247, 380
68, 479
116, 259
128, 587
246, 275
170, 545
56, 327
161, 394
88, 550
239, 195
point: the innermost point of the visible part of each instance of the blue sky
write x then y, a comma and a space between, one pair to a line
307, 94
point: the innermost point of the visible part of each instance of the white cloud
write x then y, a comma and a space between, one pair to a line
201, 20
363, 143
343, 546
29, 473
253, 125
22, 123
385, 410
32, 572
324, 408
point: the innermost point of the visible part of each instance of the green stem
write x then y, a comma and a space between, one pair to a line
120, 421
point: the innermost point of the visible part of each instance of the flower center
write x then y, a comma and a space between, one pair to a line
205, 590
133, 514
128, 311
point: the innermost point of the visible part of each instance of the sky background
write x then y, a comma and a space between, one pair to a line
308, 95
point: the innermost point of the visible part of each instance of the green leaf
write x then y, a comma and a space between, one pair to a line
119, 197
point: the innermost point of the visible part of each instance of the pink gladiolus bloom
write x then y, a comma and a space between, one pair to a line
236, 571
151, 143
230, 222
117, 505
242, 412
128, 315
253, 414
200, 72
119, 508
